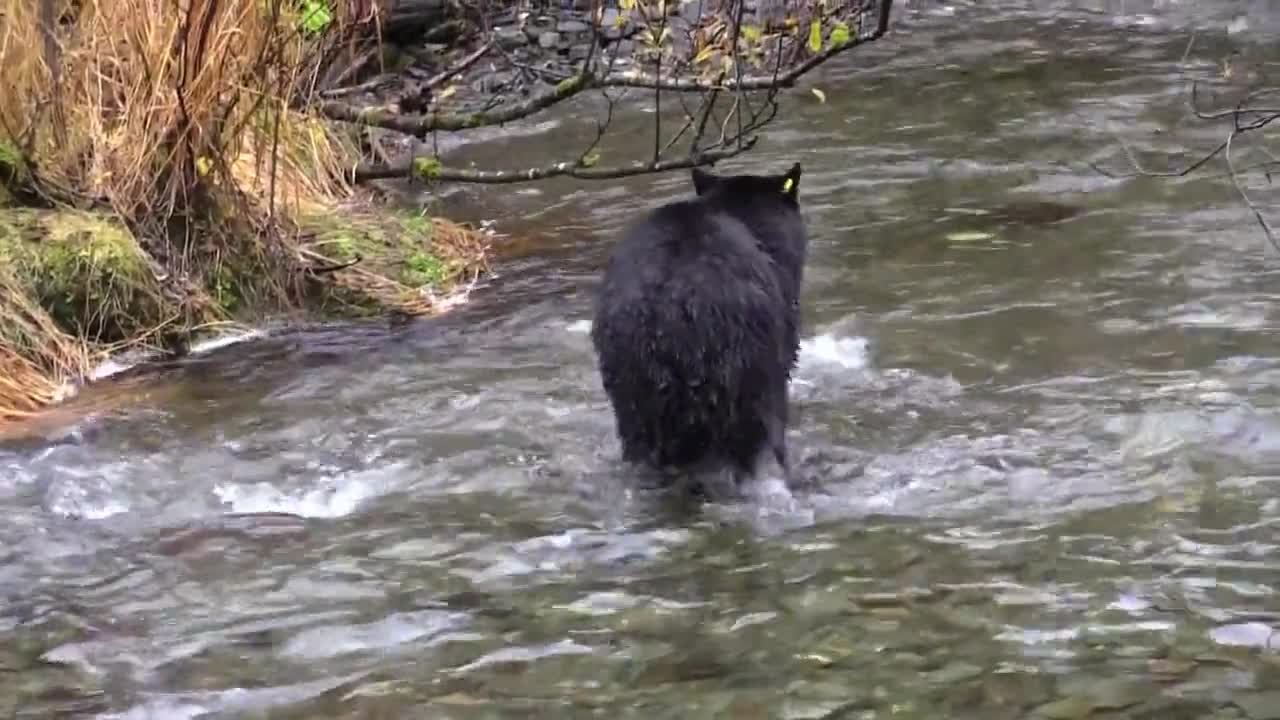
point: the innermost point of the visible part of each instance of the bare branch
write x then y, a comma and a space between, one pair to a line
421, 125
1235, 180
1244, 119
564, 169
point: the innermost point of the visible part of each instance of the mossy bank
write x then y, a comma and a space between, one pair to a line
77, 287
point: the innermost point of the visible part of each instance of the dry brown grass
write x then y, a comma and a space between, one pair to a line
158, 108
37, 359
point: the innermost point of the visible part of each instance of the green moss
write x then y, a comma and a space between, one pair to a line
396, 247
228, 293
423, 269
87, 271
570, 85
9, 156
417, 228
427, 168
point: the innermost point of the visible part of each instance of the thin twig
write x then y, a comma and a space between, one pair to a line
1244, 195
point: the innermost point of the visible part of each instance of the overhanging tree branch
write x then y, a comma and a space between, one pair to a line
420, 125
437, 172
1245, 119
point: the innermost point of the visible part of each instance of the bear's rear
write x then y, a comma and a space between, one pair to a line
693, 334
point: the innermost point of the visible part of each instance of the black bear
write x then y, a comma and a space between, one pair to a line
697, 326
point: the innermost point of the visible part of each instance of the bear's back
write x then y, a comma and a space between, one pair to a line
689, 241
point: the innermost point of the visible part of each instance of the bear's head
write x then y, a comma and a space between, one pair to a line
770, 206
749, 189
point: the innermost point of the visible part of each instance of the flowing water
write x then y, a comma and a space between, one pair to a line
1035, 420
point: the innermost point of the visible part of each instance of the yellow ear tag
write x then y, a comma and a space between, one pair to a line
787, 185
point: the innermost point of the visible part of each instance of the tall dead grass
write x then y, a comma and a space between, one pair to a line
159, 108
37, 359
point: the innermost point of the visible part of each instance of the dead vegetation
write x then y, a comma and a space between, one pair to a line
169, 134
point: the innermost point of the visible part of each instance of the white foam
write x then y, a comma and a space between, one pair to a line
381, 635
340, 497
120, 363
827, 349
830, 349
224, 340
86, 495
109, 367
526, 654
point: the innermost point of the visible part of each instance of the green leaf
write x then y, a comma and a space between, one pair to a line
815, 36
751, 33
316, 16
839, 35
589, 159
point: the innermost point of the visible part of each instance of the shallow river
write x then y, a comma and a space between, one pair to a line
1039, 444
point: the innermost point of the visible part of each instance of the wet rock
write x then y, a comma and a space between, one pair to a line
1087, 696
1117, 693
806, 700
572, 27
804, 709
1169, 669
548, 40
1018, 690
510, 38
816, 603
909, 659
494, 81
535, 27
1259, 705
955, 672
1069, 708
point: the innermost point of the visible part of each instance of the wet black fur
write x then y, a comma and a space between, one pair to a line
697, 323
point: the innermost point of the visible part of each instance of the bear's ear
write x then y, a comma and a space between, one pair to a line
702, 181
791, 181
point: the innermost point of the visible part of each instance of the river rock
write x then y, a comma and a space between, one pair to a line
955, 672
1070, 708
510, 38
535, 27
572, 27
548, 40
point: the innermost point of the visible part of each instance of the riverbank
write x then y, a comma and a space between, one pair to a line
78, 291
146, 204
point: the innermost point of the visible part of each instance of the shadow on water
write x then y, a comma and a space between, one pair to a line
1036, 410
